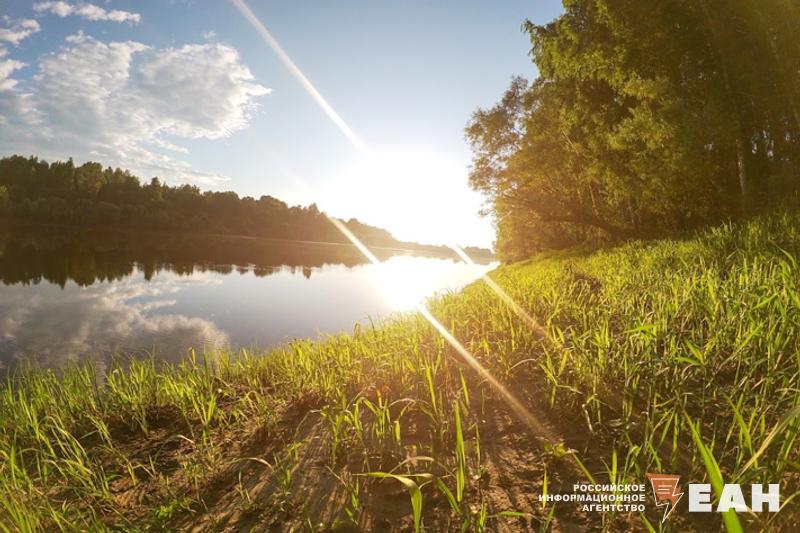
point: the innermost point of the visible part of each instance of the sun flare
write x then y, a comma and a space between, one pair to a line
417, 195
406, 282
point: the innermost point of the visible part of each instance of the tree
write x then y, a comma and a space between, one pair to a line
60, 193
646, 118
89, 178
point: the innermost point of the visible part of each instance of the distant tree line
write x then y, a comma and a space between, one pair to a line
67, 194
89, 195
646, 118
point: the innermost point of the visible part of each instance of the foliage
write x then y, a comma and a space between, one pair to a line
646, 118
88, 195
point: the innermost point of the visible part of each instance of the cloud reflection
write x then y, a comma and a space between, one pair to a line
50, 325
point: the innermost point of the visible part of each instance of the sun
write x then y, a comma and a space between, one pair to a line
417, 195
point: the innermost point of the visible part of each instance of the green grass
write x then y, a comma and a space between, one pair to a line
677, 356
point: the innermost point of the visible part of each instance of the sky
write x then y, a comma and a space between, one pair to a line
191, 91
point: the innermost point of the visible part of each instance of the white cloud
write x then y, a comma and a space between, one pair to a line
7, 67
173, 81
19, 30
127, 104
87, 11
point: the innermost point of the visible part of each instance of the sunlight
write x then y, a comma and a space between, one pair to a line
525, 415
411, 193
417, 195
406, 282
403, 283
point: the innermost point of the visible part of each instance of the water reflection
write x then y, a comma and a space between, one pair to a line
68, 295
28, 255
52, 324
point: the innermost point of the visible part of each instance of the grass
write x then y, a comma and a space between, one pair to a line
675, 356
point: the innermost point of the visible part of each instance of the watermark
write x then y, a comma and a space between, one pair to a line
594, 497
667, 492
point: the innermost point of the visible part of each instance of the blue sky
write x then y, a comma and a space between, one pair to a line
189, 91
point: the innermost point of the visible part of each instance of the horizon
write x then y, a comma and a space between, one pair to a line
207, 102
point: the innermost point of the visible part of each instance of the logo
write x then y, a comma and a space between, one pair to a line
631, 497
665, 492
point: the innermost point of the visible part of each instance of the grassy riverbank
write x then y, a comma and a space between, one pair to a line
673, 356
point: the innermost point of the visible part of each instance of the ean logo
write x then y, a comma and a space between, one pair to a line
665, 492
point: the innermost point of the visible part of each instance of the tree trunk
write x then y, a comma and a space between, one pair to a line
741, 165
740, 135
559, 211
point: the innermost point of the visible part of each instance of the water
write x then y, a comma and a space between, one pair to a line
71, 295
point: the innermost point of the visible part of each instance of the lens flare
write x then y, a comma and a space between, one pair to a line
524, 414
298, 74
517, 406
503, 295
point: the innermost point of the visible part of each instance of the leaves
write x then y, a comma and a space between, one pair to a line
732, 524
645, 119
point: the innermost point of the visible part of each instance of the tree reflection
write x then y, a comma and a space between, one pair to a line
31, 255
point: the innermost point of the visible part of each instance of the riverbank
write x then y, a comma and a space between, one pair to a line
649, 357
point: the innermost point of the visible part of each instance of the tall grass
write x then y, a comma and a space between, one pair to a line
651, 344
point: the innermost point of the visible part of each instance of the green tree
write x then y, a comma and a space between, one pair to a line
88, 179
647, 117
60, 193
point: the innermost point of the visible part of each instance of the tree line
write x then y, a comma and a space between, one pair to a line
646, 118
86, 195
89, 195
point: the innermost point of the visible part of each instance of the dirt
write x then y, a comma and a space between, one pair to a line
244, 489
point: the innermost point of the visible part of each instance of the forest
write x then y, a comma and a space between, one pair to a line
64, 193
646, 119
88, 195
